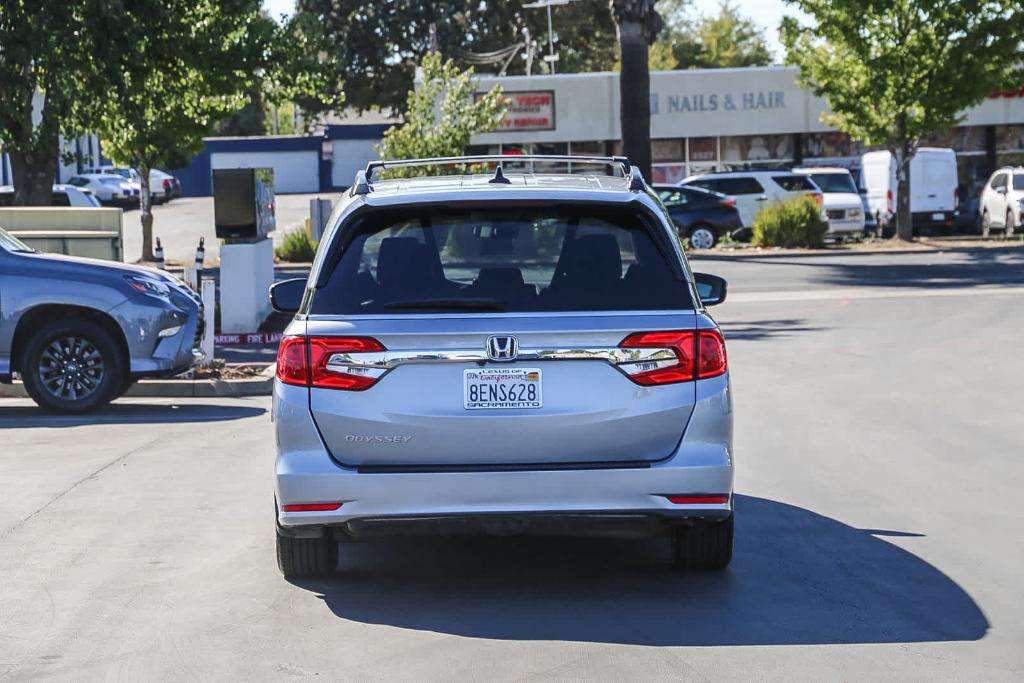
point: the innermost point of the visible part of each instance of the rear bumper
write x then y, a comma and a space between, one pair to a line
575, 500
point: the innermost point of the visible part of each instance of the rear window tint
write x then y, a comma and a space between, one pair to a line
795, 183
733, 186
508, 259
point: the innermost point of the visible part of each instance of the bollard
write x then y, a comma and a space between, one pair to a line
158, 253
200, 254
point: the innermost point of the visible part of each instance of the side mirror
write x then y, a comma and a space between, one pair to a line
710, 288
286, 295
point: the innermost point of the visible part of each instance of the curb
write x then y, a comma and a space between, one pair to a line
739, 255
177, 388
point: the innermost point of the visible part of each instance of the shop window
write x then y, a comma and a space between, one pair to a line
830, 145
959, 138
668, 150
756, 148
1009, 139
702, 149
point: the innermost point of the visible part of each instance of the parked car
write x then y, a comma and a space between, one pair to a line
755, 189
79, 331
700, 215
501, 354
844, 210
63, 195
934, 189
110, 189
160, 183
168, 185
1002, 201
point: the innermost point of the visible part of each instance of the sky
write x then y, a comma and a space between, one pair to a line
767, 13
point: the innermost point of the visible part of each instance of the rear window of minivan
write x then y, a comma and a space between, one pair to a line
507, 259
795, 183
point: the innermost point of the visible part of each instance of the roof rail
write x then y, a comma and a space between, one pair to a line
364, 179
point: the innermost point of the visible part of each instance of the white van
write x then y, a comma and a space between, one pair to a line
934, 188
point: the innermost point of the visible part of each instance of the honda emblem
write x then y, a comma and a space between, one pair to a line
504, 347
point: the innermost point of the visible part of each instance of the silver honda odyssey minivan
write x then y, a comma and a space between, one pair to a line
509, 351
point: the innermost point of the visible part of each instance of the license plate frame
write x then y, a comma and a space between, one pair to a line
502, 388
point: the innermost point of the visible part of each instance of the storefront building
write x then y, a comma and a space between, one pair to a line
722, 119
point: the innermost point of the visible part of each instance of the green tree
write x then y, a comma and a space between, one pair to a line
725, 40
441, 116
194, 63
895, 71
638, 25
730, 40
381, 42
52, 52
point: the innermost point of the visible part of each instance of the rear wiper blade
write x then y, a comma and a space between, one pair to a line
466, 304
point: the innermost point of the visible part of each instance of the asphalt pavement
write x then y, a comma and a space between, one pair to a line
879, 523
181, 222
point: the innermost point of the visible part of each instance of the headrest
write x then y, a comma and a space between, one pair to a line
595, 257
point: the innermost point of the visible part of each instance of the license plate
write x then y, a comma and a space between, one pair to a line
497, 388
938, 216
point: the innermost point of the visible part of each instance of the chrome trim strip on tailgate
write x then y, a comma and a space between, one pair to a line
376, 364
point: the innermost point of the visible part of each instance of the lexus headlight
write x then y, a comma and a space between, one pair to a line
149, 286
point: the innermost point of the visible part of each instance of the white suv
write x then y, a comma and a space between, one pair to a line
754, 190
1002, 201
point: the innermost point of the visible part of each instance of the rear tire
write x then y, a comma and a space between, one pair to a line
303, 558
72, 365
705, 545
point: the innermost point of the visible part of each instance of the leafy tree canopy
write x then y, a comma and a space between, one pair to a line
380, 42
193, 62
905, 68
441, 116
725, 40
51, 53
895, 71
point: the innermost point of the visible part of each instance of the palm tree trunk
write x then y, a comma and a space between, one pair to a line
635, 95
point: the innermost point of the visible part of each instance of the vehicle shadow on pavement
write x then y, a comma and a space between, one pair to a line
797, 578
24, 416
756, 330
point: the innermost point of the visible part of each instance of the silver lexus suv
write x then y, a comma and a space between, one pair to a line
501, 352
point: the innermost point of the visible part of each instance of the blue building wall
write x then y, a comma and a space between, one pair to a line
197, 178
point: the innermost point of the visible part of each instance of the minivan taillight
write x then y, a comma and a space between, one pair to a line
306, 361
700, 354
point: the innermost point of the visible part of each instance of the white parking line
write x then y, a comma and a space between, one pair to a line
837, 293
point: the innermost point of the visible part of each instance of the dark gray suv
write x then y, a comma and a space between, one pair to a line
80, 331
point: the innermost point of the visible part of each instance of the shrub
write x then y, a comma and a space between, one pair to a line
795, 222
296, 246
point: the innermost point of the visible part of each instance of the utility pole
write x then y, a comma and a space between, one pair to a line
551, 57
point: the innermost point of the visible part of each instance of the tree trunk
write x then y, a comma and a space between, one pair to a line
34, 171
635, 95
904, 218
145, 212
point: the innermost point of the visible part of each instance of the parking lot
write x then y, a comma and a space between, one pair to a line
181, 222
879, 437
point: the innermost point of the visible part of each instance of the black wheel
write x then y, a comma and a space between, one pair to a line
300, 558
72, 365
702, 237
705, 545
